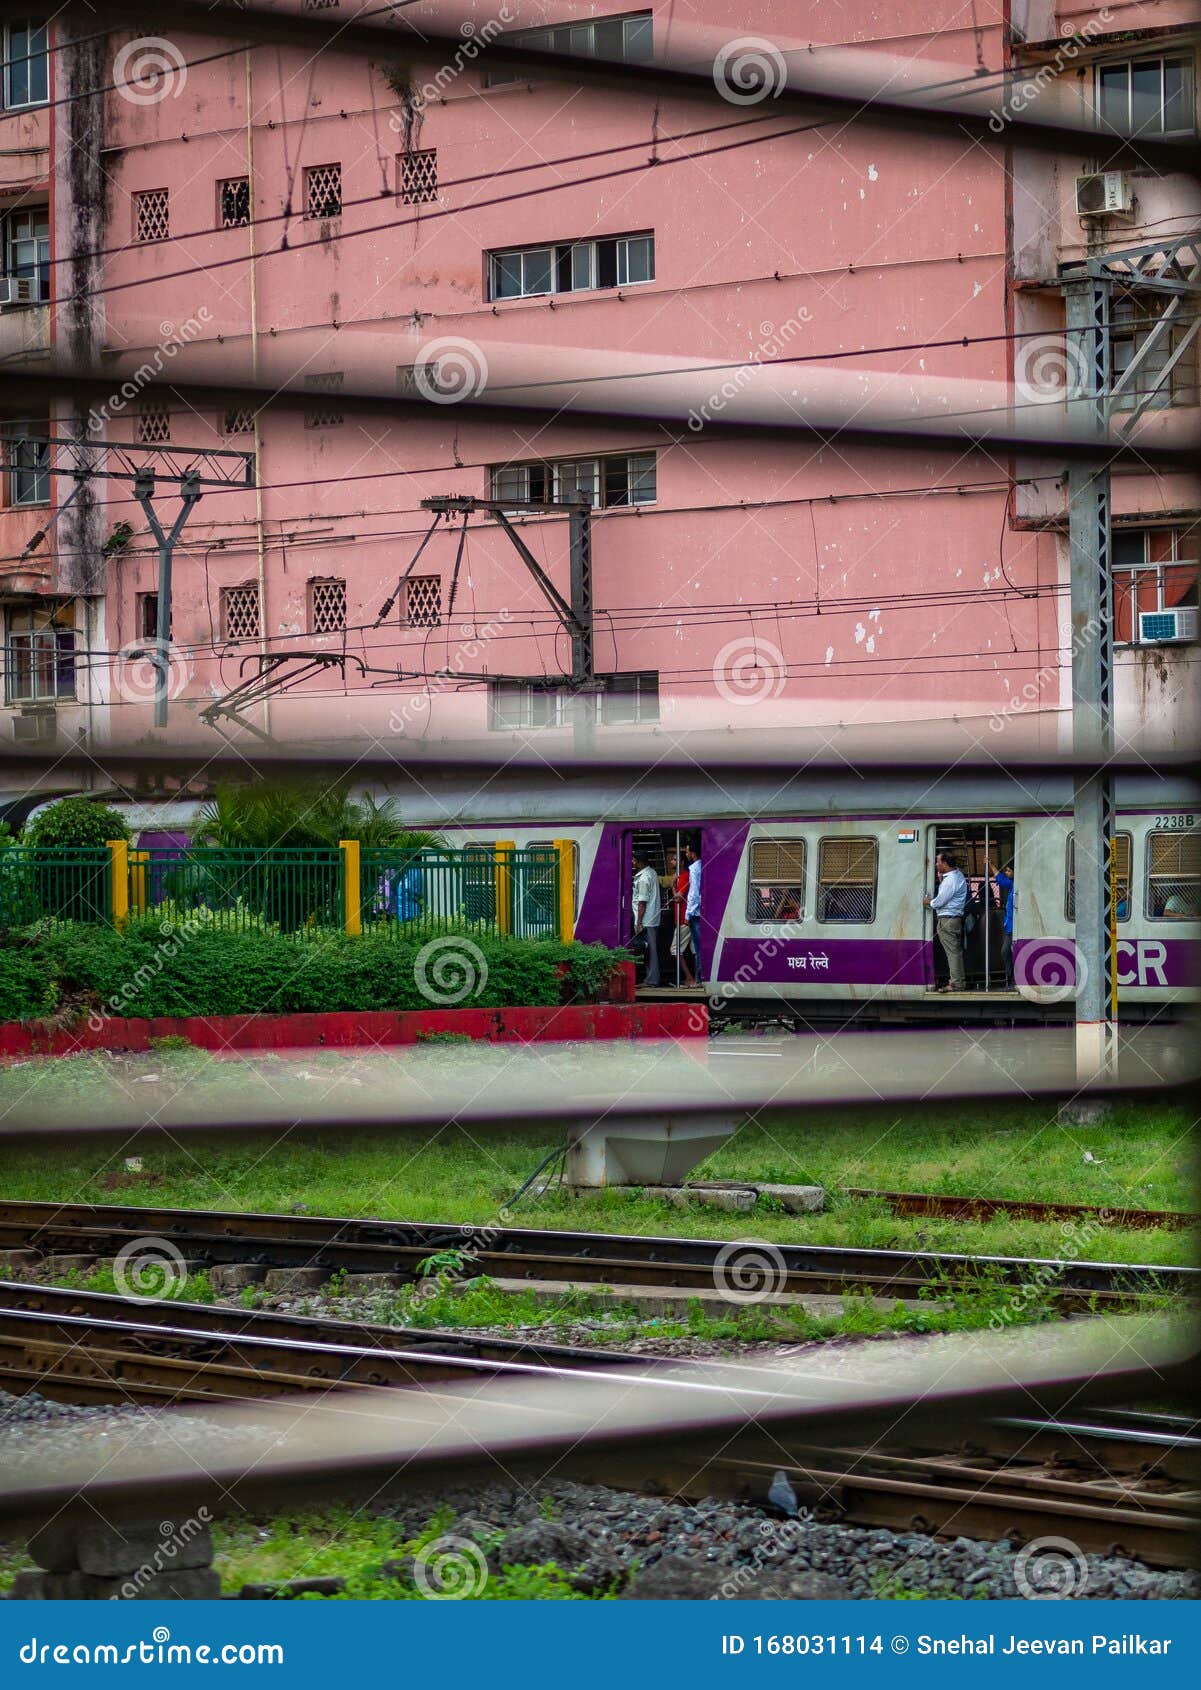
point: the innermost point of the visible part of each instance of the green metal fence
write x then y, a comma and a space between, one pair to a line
288, 889
54, 884
493, 892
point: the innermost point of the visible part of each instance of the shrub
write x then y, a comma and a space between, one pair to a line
76, 822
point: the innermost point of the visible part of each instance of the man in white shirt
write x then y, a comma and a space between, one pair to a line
948, 905
692, 907
646, 913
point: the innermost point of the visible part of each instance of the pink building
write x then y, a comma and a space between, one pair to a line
449, 238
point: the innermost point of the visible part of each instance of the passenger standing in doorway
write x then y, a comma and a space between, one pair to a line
692, 906
1003, 881
680, 950
948, 905
646, 913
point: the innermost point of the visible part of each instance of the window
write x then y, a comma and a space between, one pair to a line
146, 614
26, 64
775, 889
629, 37
28, 460
423, 601
327, 606
329, 415
240, 618
627, 478
26, 253
239, 420
625, 698
846, 880
233, 202
1167, 373
1147, 96
323, 191
1174, 876
39, 653
417, 177
1153, 569
612, 262
152, 215
154, 422
1123, 845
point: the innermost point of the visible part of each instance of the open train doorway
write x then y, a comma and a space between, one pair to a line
980, 849
664, 850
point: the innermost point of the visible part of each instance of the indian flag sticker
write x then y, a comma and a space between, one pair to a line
906, 836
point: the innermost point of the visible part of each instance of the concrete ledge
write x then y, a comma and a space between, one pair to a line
519, 1024
654, 1303
734, 1199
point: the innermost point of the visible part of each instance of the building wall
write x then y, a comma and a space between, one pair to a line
808, 583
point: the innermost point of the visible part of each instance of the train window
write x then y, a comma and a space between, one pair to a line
1174, 876
775, 888
846, 880
1123, 844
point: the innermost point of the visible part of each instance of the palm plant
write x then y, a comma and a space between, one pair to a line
303, 813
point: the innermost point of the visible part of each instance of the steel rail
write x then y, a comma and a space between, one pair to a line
207, 1238
1020, 1208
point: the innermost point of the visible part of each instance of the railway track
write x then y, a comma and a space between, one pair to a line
32, 1232
1111, 1479
936, 1204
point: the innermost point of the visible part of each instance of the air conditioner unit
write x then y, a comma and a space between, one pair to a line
35, 726
1167, 627
1108, 194
18, 290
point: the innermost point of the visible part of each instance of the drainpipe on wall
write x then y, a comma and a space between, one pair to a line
260, 539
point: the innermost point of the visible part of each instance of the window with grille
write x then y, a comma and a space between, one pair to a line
516, 705
239, 420
1152, 96
27, 457
327, 606
320, 5
154, 423
152, 215
233, 202
423, 601
240, 618
629, 698
417, 175
574, 266
323, 191
39, 653
330, 414
627, 478
1154, 569
1166, 369
26, 63
1174, 876
624, 699
846, 880
629, 36
1123, 846
775, 888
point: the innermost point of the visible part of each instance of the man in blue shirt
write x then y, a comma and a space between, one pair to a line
1003, 881
948, 905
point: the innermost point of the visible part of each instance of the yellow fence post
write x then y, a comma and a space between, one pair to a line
137, 881
565, 851
118, 850
352, 884
504, 849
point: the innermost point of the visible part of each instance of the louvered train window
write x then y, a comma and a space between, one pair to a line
846, 880
776, 883
1123, 845
1174, 876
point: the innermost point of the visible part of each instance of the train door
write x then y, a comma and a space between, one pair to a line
979, 848
663, 847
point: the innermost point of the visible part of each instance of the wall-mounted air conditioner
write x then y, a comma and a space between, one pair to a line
1107, 194
18, 290
1167, 627
35, 726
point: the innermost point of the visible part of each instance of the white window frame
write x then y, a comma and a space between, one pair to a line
1126, 126
552, 473
41, 483
39, 639
31, 24
582, 260
41, 264
1150, 566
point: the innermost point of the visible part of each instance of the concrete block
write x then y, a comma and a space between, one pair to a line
12, 1261
734, 1201
291, 1588
295, 1279
29, 1586
232, 1276
200, 1584
69, 1264
797, 1199
116, 1551
362, 1284
55, 1546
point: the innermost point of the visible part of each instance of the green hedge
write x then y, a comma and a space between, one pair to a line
146, 972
